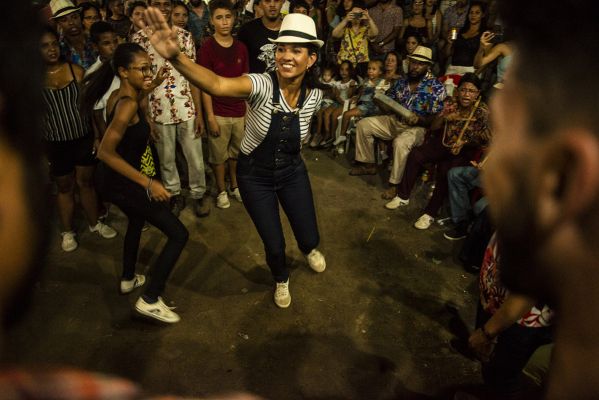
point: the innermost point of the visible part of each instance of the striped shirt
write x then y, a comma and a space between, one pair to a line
62, 121
260, 109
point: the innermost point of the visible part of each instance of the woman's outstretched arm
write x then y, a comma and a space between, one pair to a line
165, 41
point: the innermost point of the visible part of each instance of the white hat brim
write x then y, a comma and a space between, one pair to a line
67, 11
296, 40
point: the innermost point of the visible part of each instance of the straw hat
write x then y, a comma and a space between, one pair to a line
422, 54
60, 8
298, 28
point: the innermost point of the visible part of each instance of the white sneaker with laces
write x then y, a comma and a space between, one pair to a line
222, 200
129, 286
103, 230
396, 202
158, 311
235, 193
424, 222
282, 295
316, 260
69, 243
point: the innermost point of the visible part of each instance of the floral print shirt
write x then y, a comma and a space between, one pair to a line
478, 131
85, 60
354, 46
425, 100
171, 102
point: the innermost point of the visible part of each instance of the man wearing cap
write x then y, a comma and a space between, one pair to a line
74, 45
256, 34
420, 93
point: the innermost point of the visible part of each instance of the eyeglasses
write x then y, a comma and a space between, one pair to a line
468, 91
146, 71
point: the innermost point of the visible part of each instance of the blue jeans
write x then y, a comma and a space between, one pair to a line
139, 209
461, 181
262, 190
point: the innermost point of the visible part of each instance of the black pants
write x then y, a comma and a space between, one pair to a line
262, 190
139, 209
515, 346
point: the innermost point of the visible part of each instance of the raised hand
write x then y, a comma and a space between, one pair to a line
163, 38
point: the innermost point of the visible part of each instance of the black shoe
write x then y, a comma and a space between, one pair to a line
177, 205
459, 232
202, 207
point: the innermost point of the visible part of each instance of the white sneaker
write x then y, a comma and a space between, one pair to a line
103, 230
69, 243
396, 202
222, 200
424, 222
316, 260
158, 311
235, 193
129, 286
282, 295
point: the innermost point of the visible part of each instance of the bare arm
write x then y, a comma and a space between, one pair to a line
340, 28
482, 340
124, 113
164, 40
373, 30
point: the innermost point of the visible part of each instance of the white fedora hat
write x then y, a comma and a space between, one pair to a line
298, 28
60, 8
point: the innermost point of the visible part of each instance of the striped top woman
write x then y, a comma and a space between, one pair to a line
69, 144
270, 170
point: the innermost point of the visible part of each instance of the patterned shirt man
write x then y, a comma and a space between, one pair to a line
85, 60
171, 102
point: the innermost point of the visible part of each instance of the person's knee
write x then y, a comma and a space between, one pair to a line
65, 185
85, 181
454, 174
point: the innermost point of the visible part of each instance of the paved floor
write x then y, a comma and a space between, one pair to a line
375, 325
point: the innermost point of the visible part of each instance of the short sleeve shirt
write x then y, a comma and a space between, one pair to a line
386, 20
493, 293
229, 62
260, 110
171, 102
425, 100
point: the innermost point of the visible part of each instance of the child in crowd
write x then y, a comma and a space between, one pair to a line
343, 90
327, 78
365, 106
179, 14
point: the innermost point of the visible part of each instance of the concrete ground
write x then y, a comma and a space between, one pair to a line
374, 325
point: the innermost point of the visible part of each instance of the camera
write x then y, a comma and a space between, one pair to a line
498, 31
358, 15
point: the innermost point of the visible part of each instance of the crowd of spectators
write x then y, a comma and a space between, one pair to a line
407, 81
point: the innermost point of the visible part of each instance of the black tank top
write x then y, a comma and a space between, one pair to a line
131, 147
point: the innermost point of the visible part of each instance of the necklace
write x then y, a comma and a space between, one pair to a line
54, 71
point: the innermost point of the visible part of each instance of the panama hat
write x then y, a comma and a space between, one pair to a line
60, 8
298, 28
422, 54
